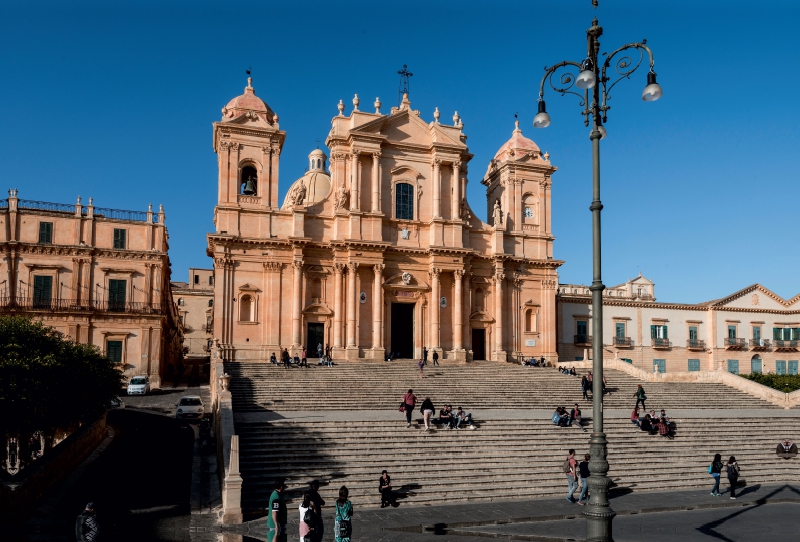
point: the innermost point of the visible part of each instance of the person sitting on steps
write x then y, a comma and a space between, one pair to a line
446, 417
575, 416
635, 417
461, 417
646, 424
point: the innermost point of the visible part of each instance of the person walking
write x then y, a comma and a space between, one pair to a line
424, 356
583, 470
87, 527
420, 363
640, 396
319, 352
319, 502
714, 469
276, 521
307, 519
585, 387
287, 361
304, 359
409, 402
427, 410
569, 468
435, 357
732, 469
343, 527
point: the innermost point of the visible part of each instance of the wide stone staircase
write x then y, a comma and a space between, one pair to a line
369, 386
517, 457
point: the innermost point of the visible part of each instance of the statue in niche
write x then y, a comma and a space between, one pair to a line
464, 212
497, 214
342, 198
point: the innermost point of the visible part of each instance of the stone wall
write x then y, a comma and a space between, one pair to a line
19, 494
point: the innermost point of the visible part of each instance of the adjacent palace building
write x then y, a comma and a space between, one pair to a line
380, 252
98, 275
752, 330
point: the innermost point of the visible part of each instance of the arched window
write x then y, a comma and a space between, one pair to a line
529, 320
249, 173
210, 302
246, 309
404, 201
180, 301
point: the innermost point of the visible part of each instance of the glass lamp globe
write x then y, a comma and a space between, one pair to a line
586, 79
652, 91
541, 120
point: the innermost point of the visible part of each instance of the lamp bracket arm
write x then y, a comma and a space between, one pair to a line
566, 81
624, 66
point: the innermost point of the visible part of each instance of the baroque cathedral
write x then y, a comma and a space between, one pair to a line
379, 251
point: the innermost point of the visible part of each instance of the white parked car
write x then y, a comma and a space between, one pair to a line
190, 407
139, 385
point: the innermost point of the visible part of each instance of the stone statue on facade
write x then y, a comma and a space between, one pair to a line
497, 214
464, 211
342, 198
300, 193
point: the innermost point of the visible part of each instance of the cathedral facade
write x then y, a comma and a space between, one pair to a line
379, 251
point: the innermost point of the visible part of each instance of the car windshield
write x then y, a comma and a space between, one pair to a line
138, 381
190, 401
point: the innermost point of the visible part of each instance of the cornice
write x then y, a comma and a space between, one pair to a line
79, 250
607, 302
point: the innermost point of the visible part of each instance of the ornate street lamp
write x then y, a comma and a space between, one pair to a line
593, 78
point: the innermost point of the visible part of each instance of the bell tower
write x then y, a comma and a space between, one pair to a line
248, 143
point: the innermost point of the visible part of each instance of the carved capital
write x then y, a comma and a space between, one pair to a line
376, 156
338, 268
297, 264
457, 165
379, 267
339, 157
459, 274
223, 145
435, 272
436, 162
356, 153
352, 266
272, 266
276, 151
266, 150
499, 277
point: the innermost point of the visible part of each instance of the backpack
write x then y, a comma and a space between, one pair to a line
566, 467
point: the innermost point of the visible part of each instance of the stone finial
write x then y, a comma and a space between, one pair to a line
249, 84
516, 127
377, 105
79, 200
436, 115
275, 119
356, 101
456, 119
341, 108
406, 103
91, 200
546, 156
149, 207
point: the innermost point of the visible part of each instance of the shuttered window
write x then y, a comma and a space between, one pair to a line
45, 232
733, 366
756, 333
620, 330
42, 291
731, 332
792, 366
119, 238
780, 366
114, 351
660, 365
116, 294
694, 365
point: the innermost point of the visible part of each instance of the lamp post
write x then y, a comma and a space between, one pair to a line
594, 78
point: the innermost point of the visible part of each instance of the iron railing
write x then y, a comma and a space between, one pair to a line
661, 343
583, 339
121, 214
46, 206
695, 344
99, 212
623, 341
53, 305
779, 343
735, 342
760, 343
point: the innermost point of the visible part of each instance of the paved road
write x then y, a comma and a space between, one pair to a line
163, 401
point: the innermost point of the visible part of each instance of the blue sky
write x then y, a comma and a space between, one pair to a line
116, 100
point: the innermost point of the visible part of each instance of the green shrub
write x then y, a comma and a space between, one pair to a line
784, 383
49, 382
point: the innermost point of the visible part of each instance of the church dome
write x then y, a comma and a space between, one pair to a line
517, 146
248, 102
316, 181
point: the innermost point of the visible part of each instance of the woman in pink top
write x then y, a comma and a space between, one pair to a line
409, 401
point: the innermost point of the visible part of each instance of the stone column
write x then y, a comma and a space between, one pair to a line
273, 194
376, 183
518, 218
337, 304
434, 338
352, 299
437, 189
498, 312
354, 181
297, 298
458, 317
456, 184
377, 306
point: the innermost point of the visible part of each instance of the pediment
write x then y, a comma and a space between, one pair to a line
404, 127
481, 316
756, 296
319, 308
247, 288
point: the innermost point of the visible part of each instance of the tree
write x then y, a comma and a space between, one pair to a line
48, 381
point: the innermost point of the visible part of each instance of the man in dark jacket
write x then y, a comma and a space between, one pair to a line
87, 528
319, 528
435, 357
287, 361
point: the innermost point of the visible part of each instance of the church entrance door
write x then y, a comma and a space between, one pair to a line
478, 344
316, 335
403, 329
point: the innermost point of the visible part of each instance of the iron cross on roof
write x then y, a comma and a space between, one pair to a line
404, 75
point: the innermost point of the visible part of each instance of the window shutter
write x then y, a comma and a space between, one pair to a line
653, 332
119, 238
694, 364
116, 294
780, 367
776, 333
756, 333
45, 232
42, 290
666, 336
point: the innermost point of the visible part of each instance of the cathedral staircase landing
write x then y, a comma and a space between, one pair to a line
340, 425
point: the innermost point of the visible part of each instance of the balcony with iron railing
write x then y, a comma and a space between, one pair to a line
71, 209
782, 344
760, 344
661, 343
695, 344
75, 305
735, 343
623, 342
583, 340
